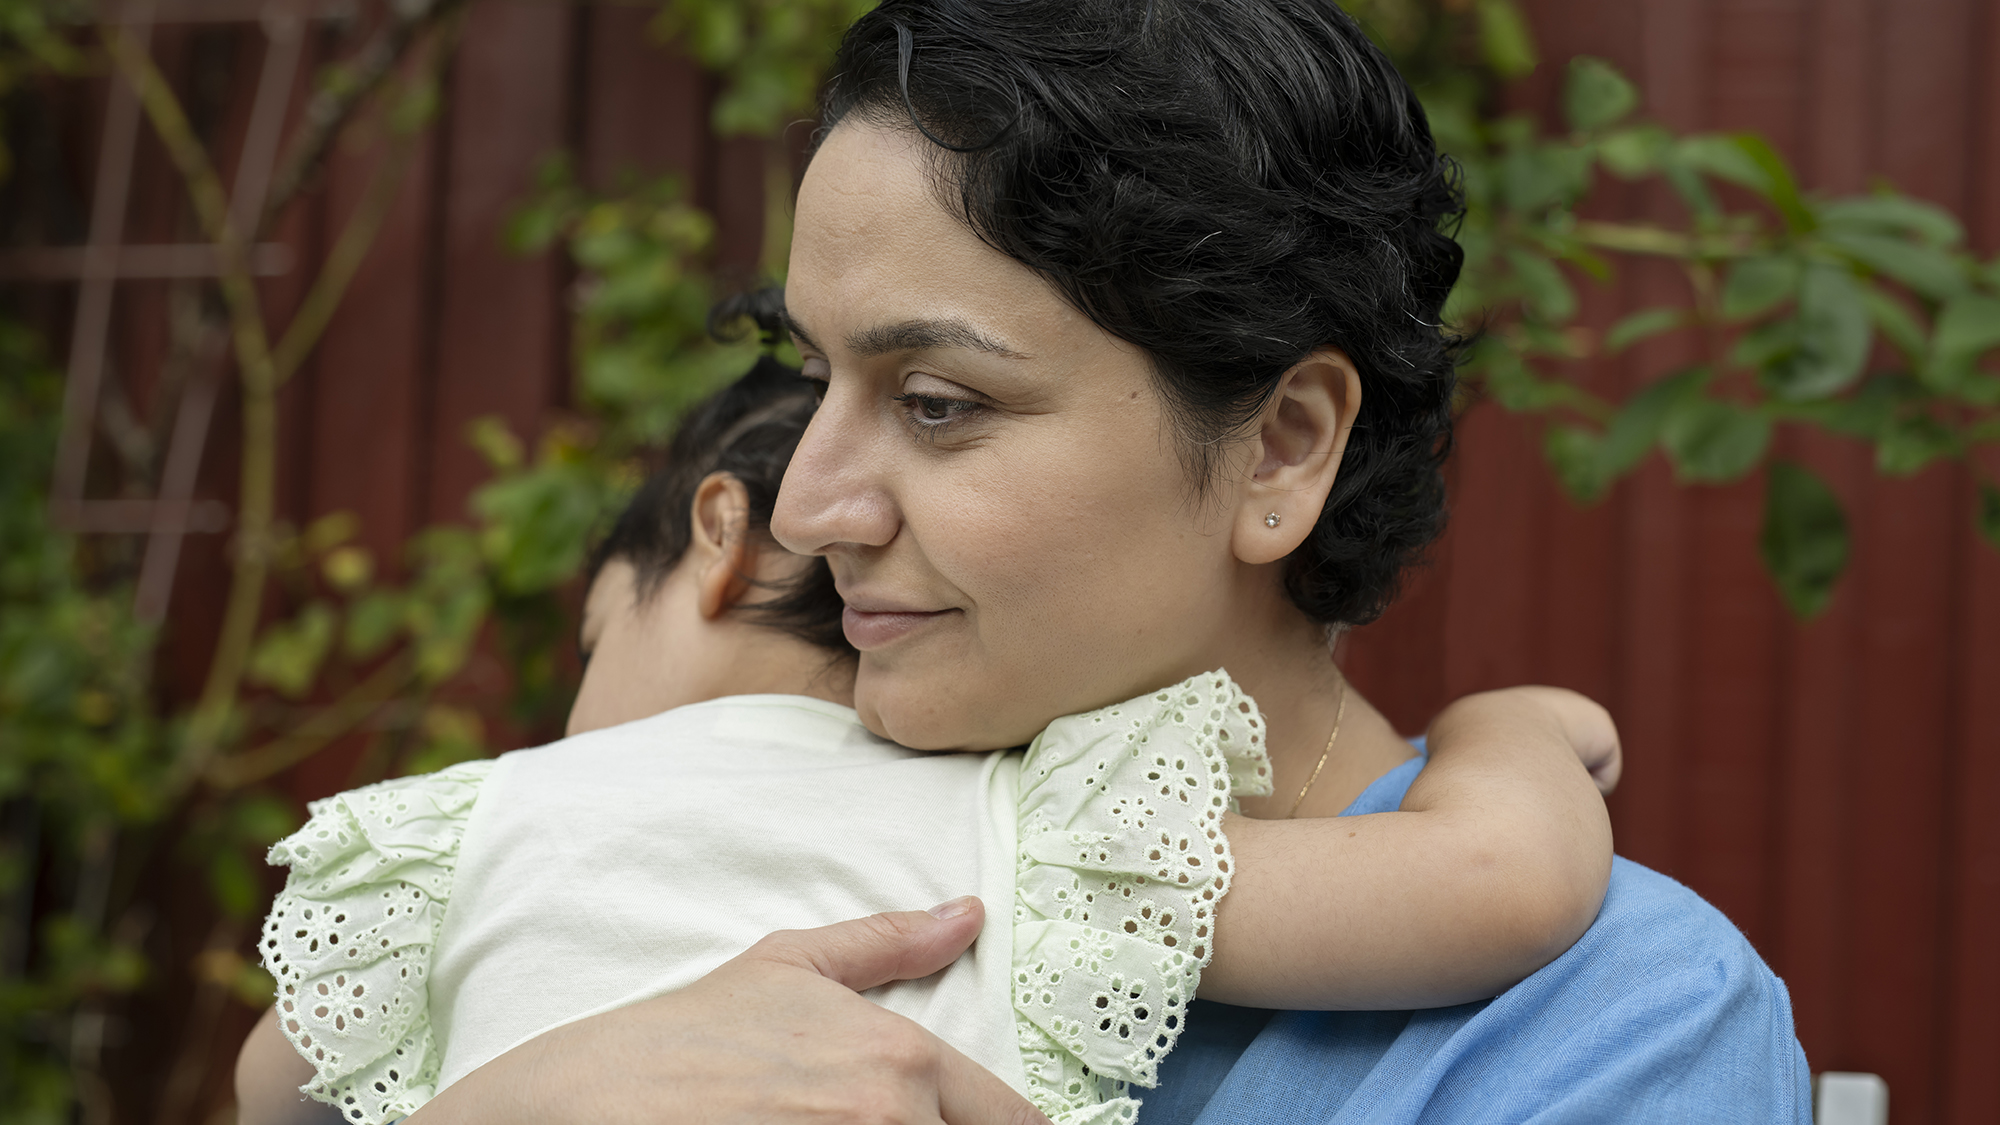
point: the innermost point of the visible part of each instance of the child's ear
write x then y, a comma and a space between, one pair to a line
719, 548
1298, 445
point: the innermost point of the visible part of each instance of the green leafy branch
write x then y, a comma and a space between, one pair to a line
1864, 316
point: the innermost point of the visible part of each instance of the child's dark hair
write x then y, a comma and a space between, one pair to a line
749, 430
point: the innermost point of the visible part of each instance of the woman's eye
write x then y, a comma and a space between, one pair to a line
932, 414
816, 371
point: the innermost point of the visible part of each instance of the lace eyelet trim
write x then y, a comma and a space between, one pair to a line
350, 937
1122, 863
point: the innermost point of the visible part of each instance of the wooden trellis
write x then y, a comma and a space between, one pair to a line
106, 259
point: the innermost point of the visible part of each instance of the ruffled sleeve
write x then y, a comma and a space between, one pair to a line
1122, 863
350, 937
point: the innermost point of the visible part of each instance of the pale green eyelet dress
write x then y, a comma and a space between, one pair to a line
431, 923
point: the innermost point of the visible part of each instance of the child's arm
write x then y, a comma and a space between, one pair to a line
269, 1072
1496, 864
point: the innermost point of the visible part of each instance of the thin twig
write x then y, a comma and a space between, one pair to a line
343, 261
1656, 241
317, 732
335, 103
253, 358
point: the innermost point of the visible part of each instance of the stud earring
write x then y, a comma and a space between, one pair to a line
1273, 520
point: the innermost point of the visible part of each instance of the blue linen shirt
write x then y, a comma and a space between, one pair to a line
1661, 1012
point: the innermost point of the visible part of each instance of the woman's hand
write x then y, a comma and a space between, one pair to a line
777, 1035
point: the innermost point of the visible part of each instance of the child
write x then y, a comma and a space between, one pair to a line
432, 923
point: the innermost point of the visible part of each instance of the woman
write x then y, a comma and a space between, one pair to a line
1127, 318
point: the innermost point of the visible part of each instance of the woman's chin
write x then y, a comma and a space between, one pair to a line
938, 717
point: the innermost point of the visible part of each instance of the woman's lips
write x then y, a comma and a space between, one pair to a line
867, 629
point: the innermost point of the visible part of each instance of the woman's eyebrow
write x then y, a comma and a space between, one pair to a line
921, 335
800, 334
912, 336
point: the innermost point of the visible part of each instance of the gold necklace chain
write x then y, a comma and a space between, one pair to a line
1338, 714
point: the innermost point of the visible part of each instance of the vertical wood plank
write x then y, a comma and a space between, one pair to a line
1816, 808
369, 374
1905, 570
645, 106
1971, 1021
1737, 619
1490, 592
502, 331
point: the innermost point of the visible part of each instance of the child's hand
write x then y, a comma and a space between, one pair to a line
1586, 725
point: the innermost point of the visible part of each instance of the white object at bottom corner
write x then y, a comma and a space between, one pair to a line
1845, 1098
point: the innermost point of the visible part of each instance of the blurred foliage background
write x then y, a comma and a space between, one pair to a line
1866, 316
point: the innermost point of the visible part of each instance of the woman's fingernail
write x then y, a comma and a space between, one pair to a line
952, 909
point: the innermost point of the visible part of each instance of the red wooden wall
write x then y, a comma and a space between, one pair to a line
1826, 785
1830, 786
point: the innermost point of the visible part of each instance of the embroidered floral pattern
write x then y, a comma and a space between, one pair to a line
1122, 864
349, 939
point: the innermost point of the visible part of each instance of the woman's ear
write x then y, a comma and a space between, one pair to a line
718, 554
1296, 454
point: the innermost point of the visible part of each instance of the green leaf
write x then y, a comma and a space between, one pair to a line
1834, 337
1897, 325
1757, 284
330, 531
288, 656
1577, 457
1639, 423
1893, 214
1720, 155
372, 622
1744, 159
261, 821
1989, 514
451, 735
1505, 39
1804, 542
1596, 94
495, 441
1588, 464
1866, 414
1927, 271
1910, 441
1967, 327
1641, 325
1714, 442
1767, 344
1779, 185
1538, 176
1515, 385
1635, 151
1686, 180
1543, 287
534, 226
348, 569
233, 884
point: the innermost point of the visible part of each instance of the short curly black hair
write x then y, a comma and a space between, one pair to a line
748, 429
1229, 185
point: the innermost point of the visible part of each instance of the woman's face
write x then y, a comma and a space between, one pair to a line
993, 478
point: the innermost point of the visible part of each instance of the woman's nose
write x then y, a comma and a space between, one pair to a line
834, 492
